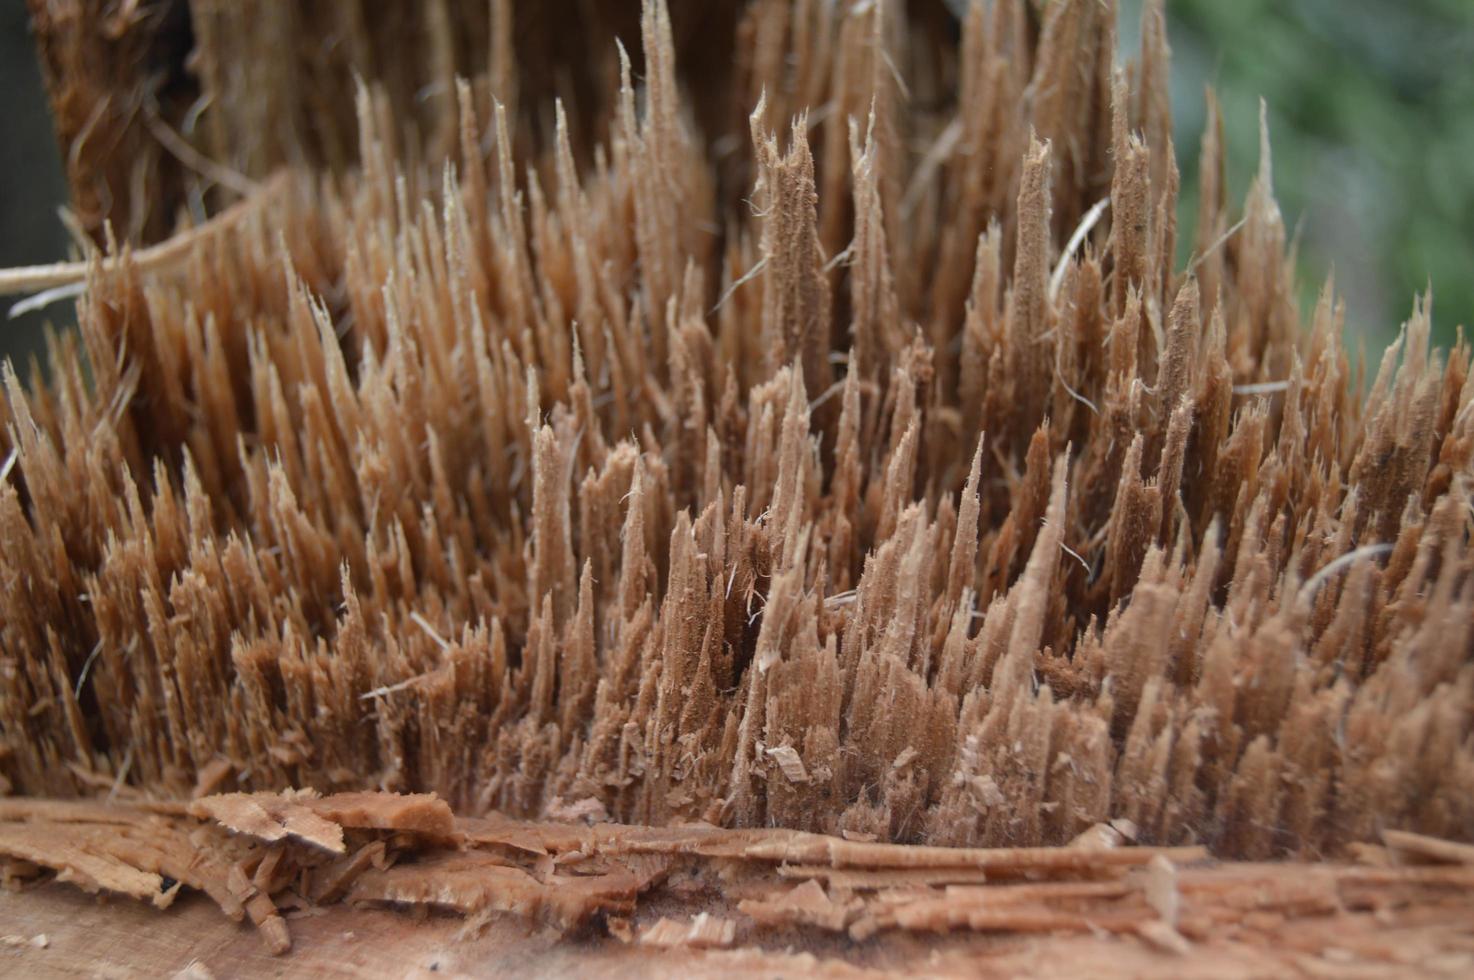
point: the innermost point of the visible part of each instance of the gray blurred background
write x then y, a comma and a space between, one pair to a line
1371, 110
31, 183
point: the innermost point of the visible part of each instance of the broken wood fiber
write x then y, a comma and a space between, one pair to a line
791, 461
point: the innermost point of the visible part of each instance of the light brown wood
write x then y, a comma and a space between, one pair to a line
87, 937
372, 490
546, 898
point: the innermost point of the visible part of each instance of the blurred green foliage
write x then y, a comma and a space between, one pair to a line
1371, 115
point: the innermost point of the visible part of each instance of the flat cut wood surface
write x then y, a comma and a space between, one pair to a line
86, 937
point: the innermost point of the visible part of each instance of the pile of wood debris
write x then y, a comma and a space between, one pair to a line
889, 483
264, 856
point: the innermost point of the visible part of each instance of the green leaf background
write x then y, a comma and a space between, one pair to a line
1371, 116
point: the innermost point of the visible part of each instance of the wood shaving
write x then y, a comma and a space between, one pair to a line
701, 932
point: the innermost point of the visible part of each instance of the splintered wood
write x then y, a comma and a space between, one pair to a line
412, 852
803, 424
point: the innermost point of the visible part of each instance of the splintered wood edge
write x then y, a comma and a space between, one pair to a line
170, 252
55, 930
543, 898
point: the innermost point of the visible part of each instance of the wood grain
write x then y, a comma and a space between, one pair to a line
86, 937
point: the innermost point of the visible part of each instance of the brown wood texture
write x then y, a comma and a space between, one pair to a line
500, 492
88, 937
380, 885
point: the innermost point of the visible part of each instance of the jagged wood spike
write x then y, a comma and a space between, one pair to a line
627, 501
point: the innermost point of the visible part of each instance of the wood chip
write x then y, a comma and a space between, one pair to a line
702, 932
1428, 848
271, 818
